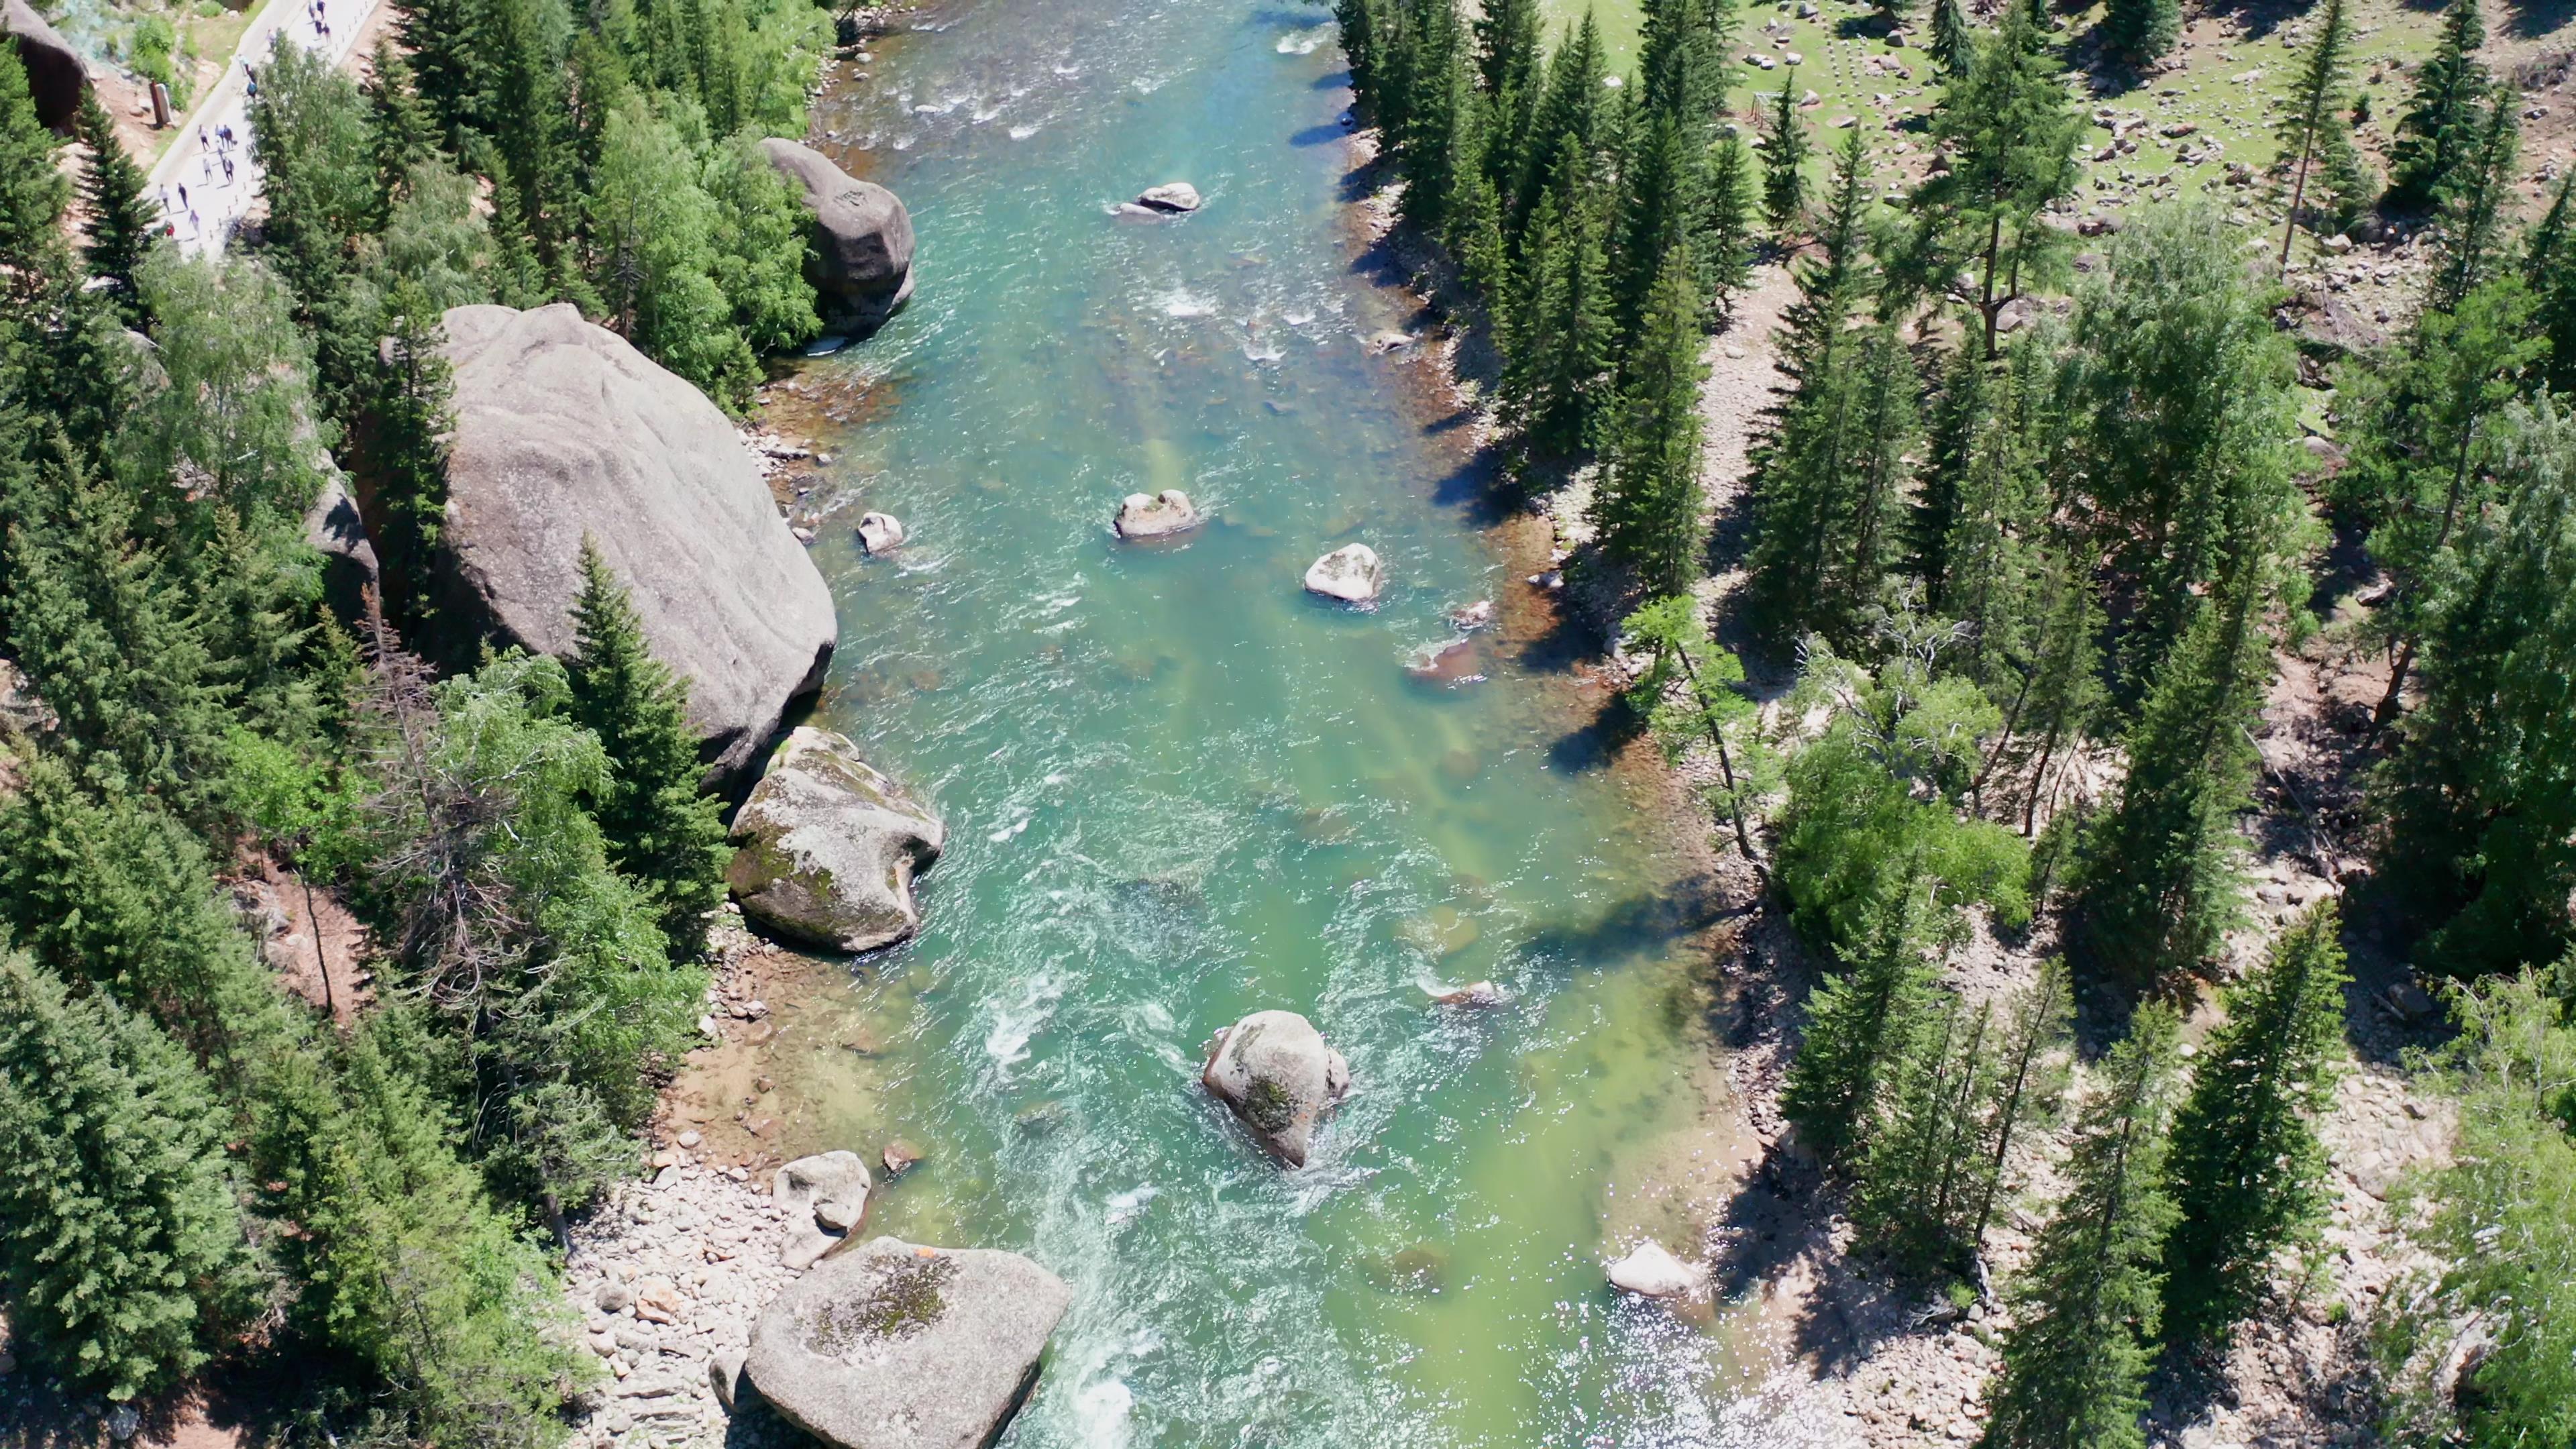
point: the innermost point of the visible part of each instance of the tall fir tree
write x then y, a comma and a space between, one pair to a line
32, 191
2161, 879
2549, 270
662, 831
404, 129
2439, 130
2075, 1359
2247, 1173
2315, 109
1508, 51
2009, 127
1568, 127
2480, 796
1862, 1020
1953, 41
1726, 229
1784, 162
121, 1238
1963, 406
2477, 206
120, 223
1647, 503
406, 448
2139, 33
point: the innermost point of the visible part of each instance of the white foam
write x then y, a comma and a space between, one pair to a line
1007, 831
1023, 131
1305, 42
1178, 303
1126, 1207
1100, 1408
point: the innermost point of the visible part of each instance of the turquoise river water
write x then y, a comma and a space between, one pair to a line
1179, 790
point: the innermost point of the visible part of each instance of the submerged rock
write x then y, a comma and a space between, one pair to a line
1651, 1272
826, 848
880, 533
894, 1346
1160, 516
824, 1196
861, 259
1350, 573
1274, 1070
1468, 618
564, 431
1172, 197
1474, 993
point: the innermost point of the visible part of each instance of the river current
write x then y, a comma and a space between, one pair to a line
1179, 790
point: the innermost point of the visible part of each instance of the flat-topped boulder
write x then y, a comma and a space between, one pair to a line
861, 259
896, 1346
1350, 573
1275, 1071
564, 431
1157, 516
827, 846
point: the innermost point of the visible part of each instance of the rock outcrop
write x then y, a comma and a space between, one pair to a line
880, 533
894, 1346
1350, 573
1172, 198
1159, 516
55, 75
825, 1197
826, 848
565, 431
335, 529
1274, 1070
861, 259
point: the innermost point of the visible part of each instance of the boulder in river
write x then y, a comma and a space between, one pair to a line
1350, 573
564, 431
824, 1197
861, 257
880, 533
1474, 993
895, 1346
1650, 1272
1274, 1070
56, 78
1468, 618
1171, 198
826, 847
1159, 516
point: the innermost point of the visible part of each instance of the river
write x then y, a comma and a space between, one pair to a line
1179, 790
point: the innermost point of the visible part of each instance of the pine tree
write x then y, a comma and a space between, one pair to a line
2477, 206
2549, 269
2009, 127
1953, 41
407, 447
1860, 1022
120, 222
1562, 389
2316, 102
2479, 795
1726, 228
404, 130
1647, 505
2062, 686
2161, 878
1436, 114
2247, 1174
1689, 696
1784, 160
2439, 130
2075, 1359
2138, 33
1508, 54
121, 1241
1662, 202
32, 192
1568, 130
1961, 412
662, 832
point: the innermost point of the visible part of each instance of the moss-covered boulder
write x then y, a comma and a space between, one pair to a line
896, 1346
1274, 1070
827, 847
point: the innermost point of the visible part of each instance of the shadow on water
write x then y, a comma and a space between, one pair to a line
1325, 134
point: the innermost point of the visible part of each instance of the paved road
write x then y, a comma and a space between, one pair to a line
201, 202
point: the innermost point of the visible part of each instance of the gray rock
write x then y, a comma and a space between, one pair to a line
55, 74
824, 1196
1350, 573
861, 258
1651, 1272
893, 1346
1274, 1070
1159, 516
614, 1297
335, 530
724, 1375
826, 848
1172, 196
563, 430
880, 533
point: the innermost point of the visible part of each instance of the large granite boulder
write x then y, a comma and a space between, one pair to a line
861, 260
565, 431
55, 74
824, 1196
1274, 1070
1158, 516
826, 848
893, 1346
1350, 573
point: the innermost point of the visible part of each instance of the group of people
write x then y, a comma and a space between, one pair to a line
215, 147
217, 161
